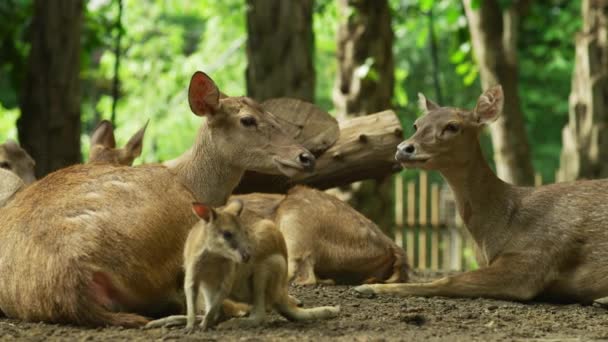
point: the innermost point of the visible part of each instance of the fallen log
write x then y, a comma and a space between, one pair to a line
365, 150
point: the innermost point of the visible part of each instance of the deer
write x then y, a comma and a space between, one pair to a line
217, 263
103, 145
533, 243
328, 241
102, 245
16, 170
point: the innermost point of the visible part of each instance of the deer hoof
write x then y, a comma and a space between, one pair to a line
365, 290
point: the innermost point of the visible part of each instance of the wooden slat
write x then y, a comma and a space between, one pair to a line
399, 205
538, 179
411, 222
435, 233
422, 220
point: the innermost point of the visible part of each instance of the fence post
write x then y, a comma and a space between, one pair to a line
399, 210
411, 221
435, 239
422, 220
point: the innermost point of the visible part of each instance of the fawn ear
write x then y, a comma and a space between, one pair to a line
203, 95
203, 211
104, 135
489, 106
234, 207
425, 104
135, 144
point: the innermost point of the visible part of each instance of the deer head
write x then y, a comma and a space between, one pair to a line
103, 145
15, 159
445, 137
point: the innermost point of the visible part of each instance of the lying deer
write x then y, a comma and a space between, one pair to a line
216, 260
103, 244
16, 170
547, 243
327, 240
103, 145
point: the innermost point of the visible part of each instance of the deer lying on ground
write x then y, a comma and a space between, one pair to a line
103, 245
16, 170
216, 260
103, 145
327, 240
547, 243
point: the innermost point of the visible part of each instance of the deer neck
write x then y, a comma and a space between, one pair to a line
484, 202
205, 170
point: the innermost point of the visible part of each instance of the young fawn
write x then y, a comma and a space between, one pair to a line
103, 244
103, 145
217, 263
547, 243
16, 170
327, 240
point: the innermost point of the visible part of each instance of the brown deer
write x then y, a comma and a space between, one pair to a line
218, 266
16, 170
103, 145
327, 240
547, 243
103, 244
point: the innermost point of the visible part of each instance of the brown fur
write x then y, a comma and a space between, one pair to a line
547, 243
90, 240
328, 240
216, 267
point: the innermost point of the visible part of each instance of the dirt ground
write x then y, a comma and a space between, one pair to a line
382, 318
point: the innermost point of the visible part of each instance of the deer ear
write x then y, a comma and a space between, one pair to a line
203, 95
203, 211
425, 104
135, 144
489, 106
235, 207
104, 135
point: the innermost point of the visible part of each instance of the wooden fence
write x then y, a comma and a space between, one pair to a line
428, 226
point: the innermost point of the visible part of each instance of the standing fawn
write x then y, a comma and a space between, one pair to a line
103, 146
216, 260
548, 243
103, 244
16, 170
327, 240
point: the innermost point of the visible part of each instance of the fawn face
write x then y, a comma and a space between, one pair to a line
445, 136
15, 159
248, 135
225, 233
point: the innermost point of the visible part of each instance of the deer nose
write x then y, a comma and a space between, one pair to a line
307, 160
405, 152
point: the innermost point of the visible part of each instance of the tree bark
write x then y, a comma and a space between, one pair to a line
494, 37
280, 46
49, 126
585, 137
365, 150
364, 84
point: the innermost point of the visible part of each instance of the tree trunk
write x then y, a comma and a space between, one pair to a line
494, 37
364, 85
49, 126
585, 137
280, 46
365, 150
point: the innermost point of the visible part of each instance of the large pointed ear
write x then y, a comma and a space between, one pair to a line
104, 135
235, 207
425, 104
135, 144
489, 106
203, 95
203, 211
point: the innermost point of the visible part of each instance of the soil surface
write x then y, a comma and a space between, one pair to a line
380, 318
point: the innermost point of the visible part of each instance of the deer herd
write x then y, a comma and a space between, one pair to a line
109, 244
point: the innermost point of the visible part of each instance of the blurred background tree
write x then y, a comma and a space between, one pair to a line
296, 47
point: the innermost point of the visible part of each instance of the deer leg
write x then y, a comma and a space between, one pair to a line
303, 271
507, 279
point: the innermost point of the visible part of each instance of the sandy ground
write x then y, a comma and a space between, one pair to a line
382, 318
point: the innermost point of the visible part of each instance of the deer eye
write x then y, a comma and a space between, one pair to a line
227, 235
415, 128
5, 165
249, 121
452, 128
